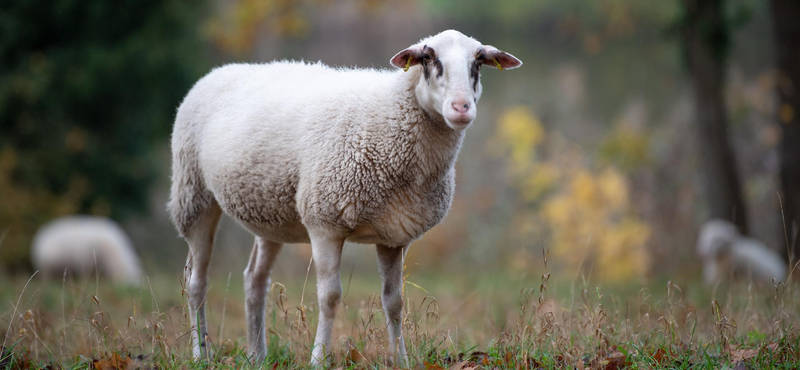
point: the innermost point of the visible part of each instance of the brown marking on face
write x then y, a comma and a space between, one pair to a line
429, 56
475, 74
475, 69
439, 67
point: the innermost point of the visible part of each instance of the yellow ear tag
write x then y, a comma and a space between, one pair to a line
408, 64
497, 64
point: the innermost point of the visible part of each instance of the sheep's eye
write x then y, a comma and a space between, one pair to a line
426, 56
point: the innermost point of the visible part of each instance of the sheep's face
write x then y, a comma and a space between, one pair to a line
450, 83
716, 239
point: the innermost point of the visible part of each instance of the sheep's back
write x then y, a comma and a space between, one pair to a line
287, 141
753, 257
81, 244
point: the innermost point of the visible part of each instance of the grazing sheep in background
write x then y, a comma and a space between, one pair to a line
300, 153
83, 245
725, 252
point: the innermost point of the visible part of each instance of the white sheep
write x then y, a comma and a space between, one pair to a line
82, 245
300, 153
725, 253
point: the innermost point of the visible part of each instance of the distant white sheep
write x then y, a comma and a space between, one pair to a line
300, 153
726, 253
83, 245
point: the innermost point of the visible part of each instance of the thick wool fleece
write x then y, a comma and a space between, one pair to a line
80, 244
726, 253
287, 146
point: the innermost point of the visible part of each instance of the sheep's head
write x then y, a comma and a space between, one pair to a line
450, 82
716, 238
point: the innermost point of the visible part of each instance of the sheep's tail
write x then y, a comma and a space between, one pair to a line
189, 196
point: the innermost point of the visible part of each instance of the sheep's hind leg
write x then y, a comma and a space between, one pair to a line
327, 253
200, 237
256, 287
390, 266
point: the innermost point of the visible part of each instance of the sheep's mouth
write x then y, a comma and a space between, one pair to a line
459, 124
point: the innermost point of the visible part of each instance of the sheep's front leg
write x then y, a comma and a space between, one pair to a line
256, 286
390, 266
327, 254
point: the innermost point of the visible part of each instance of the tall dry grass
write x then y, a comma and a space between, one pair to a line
554, 323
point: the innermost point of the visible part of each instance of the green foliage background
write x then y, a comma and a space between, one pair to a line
87, 89
88, 92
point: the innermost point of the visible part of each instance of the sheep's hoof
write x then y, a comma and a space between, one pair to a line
320, 361
402, 362
201, 351
397, 362
257, 358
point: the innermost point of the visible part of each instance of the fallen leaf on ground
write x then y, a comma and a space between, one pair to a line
354, 356
746, 354
741, 354
430, 366
659, 356
114, 362
614, 361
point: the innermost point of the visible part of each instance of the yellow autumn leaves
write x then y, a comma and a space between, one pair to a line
518, 134
584, 213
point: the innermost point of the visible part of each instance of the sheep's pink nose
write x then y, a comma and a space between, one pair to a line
461, 106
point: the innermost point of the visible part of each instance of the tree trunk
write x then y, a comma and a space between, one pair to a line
705, 42
786, 16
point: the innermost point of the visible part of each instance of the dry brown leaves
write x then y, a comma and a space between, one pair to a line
430, 366
117, 362
481, 360
356, 360
615, 360
741, 356
354, 356
11, 361
114, 362
660, 356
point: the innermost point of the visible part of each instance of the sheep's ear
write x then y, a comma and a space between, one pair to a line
408, 57
499, 59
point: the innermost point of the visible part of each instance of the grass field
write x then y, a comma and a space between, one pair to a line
476, 319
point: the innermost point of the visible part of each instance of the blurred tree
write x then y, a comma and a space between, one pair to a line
705, 35
238, 24
786, 16
87, 89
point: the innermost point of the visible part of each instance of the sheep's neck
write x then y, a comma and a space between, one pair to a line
436, 145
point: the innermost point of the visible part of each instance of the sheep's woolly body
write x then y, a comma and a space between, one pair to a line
726, 252
289, 145
299, 152
81, 243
